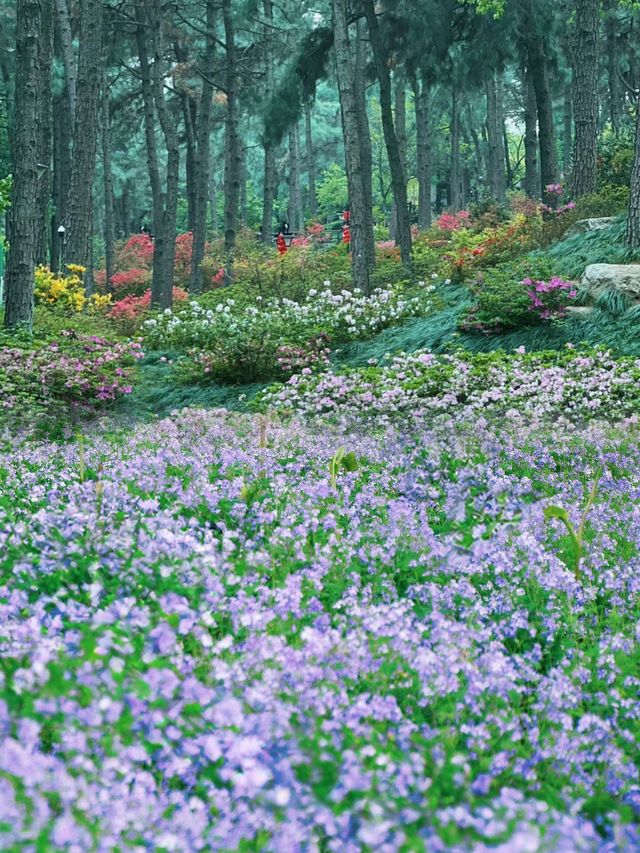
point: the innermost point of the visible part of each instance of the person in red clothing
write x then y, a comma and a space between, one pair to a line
281, 245
346, 235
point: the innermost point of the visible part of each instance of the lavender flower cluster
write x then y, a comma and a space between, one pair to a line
204, 645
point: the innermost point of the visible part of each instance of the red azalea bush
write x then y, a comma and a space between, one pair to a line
129, 311
133, 282
454, 221
184, 252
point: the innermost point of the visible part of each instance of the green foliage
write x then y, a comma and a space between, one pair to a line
501, 299
332, 192
5, 193
342, 461
576, 534
615, 157
609, 201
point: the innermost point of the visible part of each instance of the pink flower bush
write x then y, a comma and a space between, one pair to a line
453, 221
549, 298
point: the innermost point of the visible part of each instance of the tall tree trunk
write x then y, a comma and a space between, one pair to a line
296, 218
400, 120
567, 132
496, 141
191, 121
424, 151
352, 144
455, 180
398, 178
85, 136
107, 175
269, 173
531, 179
616, 95
203, 154
311, 163
45, 137
633, 224
364, 141
585, 97
546, 131
233, 154
63, 26
22, 222
165, 240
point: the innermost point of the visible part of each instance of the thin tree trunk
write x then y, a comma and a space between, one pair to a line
616, 96
24, 194
203, 154
107, 174
269, 175
496, 141
61, 173
364, 140
567, 132
546, 131
191, 121
633, 224
455, 189
213, 193
424, 152
45, 137
398, 179
531, 179
311, 163
233, 155
85, 136
296, 219
68, 55
585, 98
400, 119
163, 262
352, 144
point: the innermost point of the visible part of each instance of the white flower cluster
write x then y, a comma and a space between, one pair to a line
348, 315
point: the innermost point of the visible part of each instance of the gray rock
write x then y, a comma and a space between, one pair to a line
586, 225
579, 310
612, 278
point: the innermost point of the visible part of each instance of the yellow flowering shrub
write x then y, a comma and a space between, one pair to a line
67, 290
59, 289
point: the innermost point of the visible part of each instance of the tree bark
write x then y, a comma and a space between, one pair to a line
85, 136
165, 239
22, 222
269, 172
364, 141
531, 178
352, 144
616, 96
233, 154
296, 218
107, 175
45, 134
633, 223
455, 180
585, 98
311, 163
567, 132
495, 139
546, 131
68, 55
423, 150
398, 178
203, 154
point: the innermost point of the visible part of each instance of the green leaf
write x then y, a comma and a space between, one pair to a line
556, 512
350, 463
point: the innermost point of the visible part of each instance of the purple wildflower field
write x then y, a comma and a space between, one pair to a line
211, 639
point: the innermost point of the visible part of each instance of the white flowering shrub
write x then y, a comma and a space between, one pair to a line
233, 342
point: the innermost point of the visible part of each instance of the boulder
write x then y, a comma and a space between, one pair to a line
612, 278
583, 226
